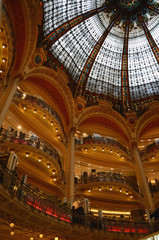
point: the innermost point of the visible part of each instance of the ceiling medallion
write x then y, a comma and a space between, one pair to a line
129, 9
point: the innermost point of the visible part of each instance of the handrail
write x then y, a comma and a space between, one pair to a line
149, 149
16, 188
101, 140
42, 104
33, 141
108, 177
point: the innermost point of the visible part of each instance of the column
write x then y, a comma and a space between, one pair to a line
69, 166
6, 97
12, 161
142, 179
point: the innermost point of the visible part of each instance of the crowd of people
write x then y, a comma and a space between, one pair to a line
101, 140
19, 137
108, 177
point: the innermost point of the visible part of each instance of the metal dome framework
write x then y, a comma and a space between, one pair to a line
110, 48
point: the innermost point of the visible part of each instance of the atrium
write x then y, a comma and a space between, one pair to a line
79, 117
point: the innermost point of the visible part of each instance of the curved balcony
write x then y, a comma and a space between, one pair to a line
17, 137
35, 102
108, 178
104, 143
151, 148
76, 221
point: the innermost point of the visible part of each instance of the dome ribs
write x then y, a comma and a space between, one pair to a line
64, 28
150, 39
153, 9
89, 63
124, 71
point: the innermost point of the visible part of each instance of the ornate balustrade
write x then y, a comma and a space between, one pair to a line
149, 149
109, 177
38, 102
22, 192
102, 141
33, 141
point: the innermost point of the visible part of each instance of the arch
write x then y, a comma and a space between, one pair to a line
25, 17
52, 86
148, 123
103, 120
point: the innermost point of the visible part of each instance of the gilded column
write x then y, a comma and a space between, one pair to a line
6, 97
69, 165
142, 178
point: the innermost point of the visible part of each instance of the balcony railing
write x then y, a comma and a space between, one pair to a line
35, 101
108, 177
22, 192
33, 141
149, 149
102, 141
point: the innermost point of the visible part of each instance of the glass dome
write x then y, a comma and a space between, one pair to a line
109, 47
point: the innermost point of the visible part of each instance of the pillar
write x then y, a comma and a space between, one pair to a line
6, 96
142, 179
69, 166
100, 214
86, 206
12, 161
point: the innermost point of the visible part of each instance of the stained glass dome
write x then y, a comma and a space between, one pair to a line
109, 47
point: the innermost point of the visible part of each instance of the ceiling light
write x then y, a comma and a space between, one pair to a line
27, 154
4, 59
103, 149
152, 157
24, 95
120, 190
52, 122
18, 88
24, 107
40, 158
54, 179
40, 235
89, 190
11, 225
4, 45
56, 130
100, 189
110, 188
94, 148
19, 127
31, 238
48, 166
56, 238
35, 110
12, 233
86, 149
118, 154
44, 116
53, 173
111, 151
1, 70
127, 193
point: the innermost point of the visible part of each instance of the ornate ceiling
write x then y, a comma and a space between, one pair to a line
109, 47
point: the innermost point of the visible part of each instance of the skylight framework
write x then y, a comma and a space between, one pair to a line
78, 25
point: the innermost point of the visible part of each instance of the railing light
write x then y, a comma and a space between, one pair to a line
11, 225
12, 233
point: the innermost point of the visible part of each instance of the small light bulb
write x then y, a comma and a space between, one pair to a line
40, 235
12, 233
44, 116
11, 225
56, 238
35, 111
31, 238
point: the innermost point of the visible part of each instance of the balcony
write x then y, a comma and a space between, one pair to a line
54, 218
